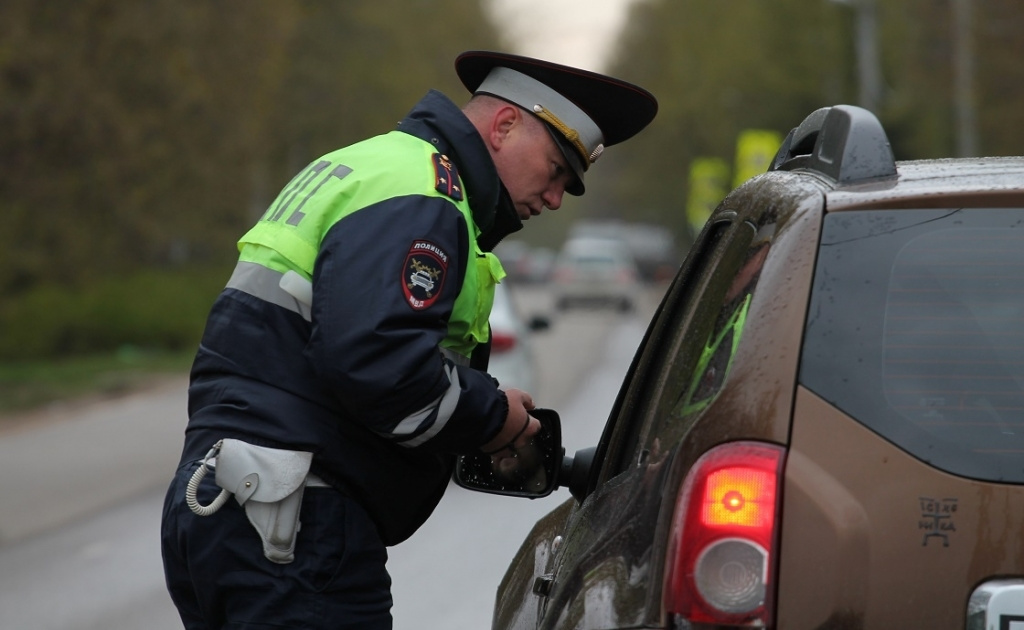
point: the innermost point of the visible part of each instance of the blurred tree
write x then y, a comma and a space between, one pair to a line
152, 133
721, 67
718, 68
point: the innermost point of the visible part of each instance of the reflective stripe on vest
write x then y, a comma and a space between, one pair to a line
280, 289
266, 284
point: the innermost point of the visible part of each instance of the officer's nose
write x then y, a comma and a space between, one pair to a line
553, 196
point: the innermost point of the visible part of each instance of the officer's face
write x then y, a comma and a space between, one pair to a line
532, 167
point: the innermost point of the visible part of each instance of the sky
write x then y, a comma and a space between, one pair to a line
578, 33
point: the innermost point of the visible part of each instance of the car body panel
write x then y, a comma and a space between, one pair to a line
518, 607
938, 184
865, 525
613, 544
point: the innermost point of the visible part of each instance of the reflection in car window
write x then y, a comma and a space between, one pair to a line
631, 425
714, 363
702, 353
916, 329
719, 348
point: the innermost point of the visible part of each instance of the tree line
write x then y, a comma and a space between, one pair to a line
141, 138
151, 133
722, 67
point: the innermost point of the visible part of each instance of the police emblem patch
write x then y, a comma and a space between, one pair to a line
423, 274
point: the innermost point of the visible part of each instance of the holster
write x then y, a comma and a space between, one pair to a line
268, 483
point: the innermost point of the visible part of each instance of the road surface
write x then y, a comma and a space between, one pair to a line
82, 488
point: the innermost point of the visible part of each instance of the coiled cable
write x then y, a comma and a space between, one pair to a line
193, 486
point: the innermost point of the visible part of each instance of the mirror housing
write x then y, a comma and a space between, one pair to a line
575, 472
555, 469
545, 452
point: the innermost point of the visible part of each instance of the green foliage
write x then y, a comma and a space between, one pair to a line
154, 133
721, 67
149, 136
30, 384
148, 309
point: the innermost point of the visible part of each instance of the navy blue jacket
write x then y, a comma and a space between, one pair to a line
342, 383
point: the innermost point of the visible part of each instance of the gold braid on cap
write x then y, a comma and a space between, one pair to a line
570, 134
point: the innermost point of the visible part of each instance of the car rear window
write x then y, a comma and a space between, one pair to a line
916, 329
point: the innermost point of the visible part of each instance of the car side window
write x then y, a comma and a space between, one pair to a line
715, 358
687, 343
701, 356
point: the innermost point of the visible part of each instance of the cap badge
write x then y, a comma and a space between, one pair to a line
570, 134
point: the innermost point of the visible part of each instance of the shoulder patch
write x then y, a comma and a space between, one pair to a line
446, 178
423, 274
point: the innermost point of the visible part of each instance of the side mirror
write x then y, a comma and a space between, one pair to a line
538, 323
575, 472
537, 476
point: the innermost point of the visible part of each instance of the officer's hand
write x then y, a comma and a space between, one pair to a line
514, 456
519, 427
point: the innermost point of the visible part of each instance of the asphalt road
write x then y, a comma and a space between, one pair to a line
81, 489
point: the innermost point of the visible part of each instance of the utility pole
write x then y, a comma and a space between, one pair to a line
963, 79
869, 67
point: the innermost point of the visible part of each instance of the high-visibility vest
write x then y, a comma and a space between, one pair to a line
288, 236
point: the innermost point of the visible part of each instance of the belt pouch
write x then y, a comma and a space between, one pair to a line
268, 483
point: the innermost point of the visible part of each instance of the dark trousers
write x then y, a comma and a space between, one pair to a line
218, 577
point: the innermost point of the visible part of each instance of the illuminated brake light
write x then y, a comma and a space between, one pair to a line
744, 497
720, 564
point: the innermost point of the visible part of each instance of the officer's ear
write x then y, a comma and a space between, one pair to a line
505, 119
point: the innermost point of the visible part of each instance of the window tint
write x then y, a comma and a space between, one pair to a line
700, 356
916, 329
716, 355
636, 411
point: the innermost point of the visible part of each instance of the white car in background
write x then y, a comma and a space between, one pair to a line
512, 361
595, 271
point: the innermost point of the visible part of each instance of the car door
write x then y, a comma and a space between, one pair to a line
717, 364
601, 562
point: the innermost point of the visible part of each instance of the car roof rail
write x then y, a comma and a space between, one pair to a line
843, 142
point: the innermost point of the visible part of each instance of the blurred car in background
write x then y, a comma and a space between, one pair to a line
512, 361
823, 427
524, 263
595, 271
652, 246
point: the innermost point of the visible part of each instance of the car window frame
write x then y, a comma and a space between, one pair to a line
633, 413
871, 407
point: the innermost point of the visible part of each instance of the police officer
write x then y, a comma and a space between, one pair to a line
343, 367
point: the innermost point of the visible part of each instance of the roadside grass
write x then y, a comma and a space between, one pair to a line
29, 385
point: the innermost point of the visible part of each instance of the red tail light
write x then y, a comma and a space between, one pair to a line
502, 342
720, 567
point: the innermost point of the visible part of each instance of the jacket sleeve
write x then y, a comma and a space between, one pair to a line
384, 287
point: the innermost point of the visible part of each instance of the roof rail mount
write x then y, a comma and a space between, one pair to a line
842, 142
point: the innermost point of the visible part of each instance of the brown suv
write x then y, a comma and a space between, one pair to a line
824, 425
